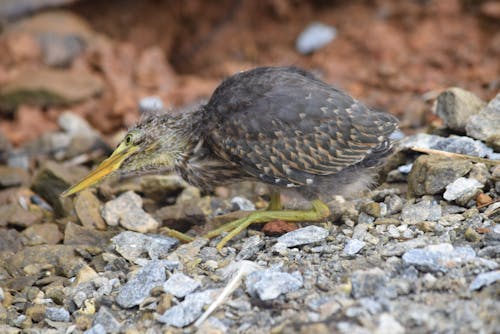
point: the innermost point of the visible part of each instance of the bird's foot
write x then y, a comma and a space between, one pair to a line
318, 212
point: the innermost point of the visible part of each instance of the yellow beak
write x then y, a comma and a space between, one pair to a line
105, 168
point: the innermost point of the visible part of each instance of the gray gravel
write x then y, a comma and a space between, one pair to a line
269, 284
353, 246
127, 211
303, 236
419, 254
180, 285
135, 291
485, 279
138, 247
440, 257
189, 310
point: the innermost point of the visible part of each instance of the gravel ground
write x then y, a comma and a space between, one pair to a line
420, 253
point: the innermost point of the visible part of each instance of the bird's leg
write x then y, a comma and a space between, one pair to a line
319, 211
176, 234
275, 203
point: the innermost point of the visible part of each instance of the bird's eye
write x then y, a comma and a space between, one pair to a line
128, 140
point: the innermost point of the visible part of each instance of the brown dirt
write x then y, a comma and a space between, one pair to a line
393, 55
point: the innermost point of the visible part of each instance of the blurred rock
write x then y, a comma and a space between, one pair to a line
60, 51
52, 179
269, 284
314, 37
38, 234
81, 137
150, 105
454, 144
10, 240
242, 203
62, 257
22, 47
88, 210
180, 216
440, 257
139, 286
368, 283
388, 324
491, 9
16, 215
303, 236
10, 9
153, 72
188, 310
493, 213
484, 279
462, 190
127, 211
251, 247
160, 187
61, 35
5, 147
480, 172
107, 320
425, 210
374, 209
12, 177
57, 314
353, 246
49, 87
456, 105
484, 126
180, 285
136, 247
431, 174
278, 227
79, 235
74, 124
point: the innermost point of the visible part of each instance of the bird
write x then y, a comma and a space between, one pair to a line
281, 126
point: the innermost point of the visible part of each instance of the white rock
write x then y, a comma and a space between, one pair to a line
314, 37
462, 188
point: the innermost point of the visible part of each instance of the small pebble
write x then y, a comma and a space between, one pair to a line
139, 286
314, 37
180, 285
440, 257
462, 190
57, 314
353, 246
127, 211
367, 283
303, 236
269, 284
484, 279
189, 310
243, 204
424, 210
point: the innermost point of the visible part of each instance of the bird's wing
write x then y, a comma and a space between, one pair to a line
297, 130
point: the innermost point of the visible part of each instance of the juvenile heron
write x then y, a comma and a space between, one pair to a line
277, 125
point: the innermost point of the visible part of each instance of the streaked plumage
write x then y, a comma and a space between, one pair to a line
278, 125
282, 126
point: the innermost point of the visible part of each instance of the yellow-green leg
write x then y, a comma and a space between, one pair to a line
319, 211
275, 203
176, 234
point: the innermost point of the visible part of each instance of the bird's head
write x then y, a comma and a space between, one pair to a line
154, 145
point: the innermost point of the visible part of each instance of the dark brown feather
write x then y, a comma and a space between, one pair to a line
285, 127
